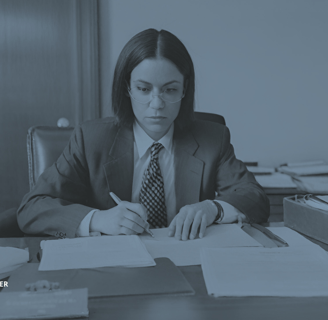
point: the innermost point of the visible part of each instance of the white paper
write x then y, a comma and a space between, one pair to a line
316, 204
305, 163
292, 237
11, 259
323, 198
275, 180
305, 170
94, 252
186, 253
285, 272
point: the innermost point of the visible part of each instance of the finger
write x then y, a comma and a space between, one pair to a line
172, 227
179, 223
127, 231
195, 225
202, 227
132, 226
187, 224
137, 208
135, 218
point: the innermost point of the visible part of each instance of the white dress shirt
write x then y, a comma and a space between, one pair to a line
142, 144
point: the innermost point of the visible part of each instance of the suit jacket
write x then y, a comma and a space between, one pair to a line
99, 159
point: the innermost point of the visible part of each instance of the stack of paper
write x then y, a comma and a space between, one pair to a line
94, 252
304, 163
305, 170
11, 259
312, 184
285, 272
275, 180
186, 253
293, 238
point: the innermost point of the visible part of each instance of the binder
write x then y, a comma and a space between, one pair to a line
309, 221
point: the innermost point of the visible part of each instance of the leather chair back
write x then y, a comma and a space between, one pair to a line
44, 146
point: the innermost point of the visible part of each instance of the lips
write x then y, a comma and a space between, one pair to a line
157, 117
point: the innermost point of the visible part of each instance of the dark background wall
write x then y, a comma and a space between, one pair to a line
48, 70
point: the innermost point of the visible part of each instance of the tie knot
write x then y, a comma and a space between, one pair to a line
155, 149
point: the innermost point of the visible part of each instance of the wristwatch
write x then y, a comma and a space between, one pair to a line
219, 217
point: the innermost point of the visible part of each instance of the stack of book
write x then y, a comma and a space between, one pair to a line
268, 177
311, 177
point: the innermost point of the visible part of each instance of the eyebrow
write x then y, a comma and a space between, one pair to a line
165, 84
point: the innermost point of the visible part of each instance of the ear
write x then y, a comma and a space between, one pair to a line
127, 89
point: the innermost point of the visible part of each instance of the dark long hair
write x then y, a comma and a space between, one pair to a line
149, 44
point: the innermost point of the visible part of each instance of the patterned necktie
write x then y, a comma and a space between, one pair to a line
152, 194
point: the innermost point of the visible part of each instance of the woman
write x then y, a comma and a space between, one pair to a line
164, 164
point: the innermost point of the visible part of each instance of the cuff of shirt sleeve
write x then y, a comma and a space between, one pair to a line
84, 228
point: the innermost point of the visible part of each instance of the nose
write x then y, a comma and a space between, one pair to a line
157, 102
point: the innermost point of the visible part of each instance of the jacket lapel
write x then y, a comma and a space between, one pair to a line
119, 169
188, 169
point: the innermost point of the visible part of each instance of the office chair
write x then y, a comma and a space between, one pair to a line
44, 146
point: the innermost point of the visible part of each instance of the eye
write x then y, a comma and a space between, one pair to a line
143, 89
170, 90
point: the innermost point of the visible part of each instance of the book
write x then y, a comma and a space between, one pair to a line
11, 259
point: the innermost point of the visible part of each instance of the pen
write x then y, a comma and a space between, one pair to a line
118, 200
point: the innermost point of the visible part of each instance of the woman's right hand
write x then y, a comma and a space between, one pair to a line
120, 220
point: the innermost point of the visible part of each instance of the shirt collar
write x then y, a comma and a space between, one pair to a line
143, 141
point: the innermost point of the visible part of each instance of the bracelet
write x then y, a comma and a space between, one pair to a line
219, 217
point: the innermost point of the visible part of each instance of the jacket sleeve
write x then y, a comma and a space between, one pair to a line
237, 186
60, 199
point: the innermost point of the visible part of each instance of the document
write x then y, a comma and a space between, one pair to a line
305, 170
94, 252
60, 304
284, 272
312, 184
11, 259
275, 180
293, 238
187, 253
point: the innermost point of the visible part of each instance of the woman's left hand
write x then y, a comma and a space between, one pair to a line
190, 218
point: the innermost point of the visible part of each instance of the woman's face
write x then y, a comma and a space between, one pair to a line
150, 78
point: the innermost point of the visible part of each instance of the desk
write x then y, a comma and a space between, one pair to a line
200, 306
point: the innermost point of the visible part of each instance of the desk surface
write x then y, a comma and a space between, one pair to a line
199, 306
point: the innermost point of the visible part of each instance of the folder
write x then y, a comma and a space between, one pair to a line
164, 278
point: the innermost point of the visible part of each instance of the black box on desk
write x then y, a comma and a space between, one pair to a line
305, 219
